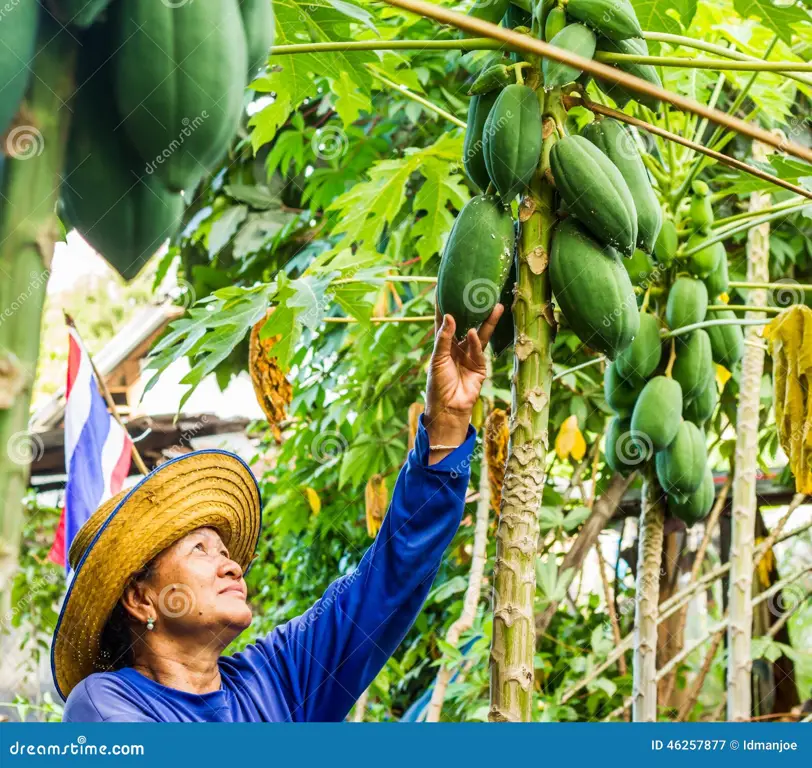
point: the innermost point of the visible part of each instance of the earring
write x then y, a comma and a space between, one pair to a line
150, 623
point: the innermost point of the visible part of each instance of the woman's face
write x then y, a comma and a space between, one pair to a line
196, 588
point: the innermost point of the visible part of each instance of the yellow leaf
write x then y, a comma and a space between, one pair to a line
724, 298
313, 500
789, 339
766, 565
376, 498
722, 375
570, 441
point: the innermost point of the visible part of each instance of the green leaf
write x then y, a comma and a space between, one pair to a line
664, 15
550, 517
778, 18
224, 228
575, 517
350, 101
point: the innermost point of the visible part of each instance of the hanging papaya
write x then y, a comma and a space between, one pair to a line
693, 367
701, 208
476, 262
258, 23
657, 413
489, 10
701, 408
620, 394
618, 145
635, 46
473, 156
502, 336
595, 192
123, 213
492, 78
575, 38
556, 21
608, 319
665, 249
717, 281
516, 17
512, 140
18, 37
180, 72
706, 259
79, 13
698, 504
687, 303
614, 19
640, 359
639, 267
726, 341
681, 466
622, 451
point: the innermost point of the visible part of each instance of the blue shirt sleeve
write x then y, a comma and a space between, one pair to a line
329, 655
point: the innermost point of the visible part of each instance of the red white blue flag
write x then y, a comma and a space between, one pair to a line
97, 451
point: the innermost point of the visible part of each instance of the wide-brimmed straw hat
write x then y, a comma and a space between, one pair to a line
209, 488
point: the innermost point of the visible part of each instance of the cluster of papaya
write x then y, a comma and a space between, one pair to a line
663, 400
160, 92
600, 180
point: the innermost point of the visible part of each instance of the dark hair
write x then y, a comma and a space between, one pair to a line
116, 641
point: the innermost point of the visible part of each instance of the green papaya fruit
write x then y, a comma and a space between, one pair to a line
489, 10
665, 249
698, 504
259, 26
492, 78
657, 413
556, 21
681, 466
620, 394
639, 267
18, 37
705, 260
701, 208
622, 451
635, 46
614, 19
640, 359
516, 17
473, 148
180, 73
608, 321
121, 211
502, 336
701, 408
595, 192
687, 303
79, 13
693, 367
726, 341
618, 145
717, 281
512, 140
475, 262
575, 38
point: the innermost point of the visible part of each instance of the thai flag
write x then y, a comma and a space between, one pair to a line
97, 451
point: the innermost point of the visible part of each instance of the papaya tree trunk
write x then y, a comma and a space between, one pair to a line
35, 149
743, 514
514, 579
649, 561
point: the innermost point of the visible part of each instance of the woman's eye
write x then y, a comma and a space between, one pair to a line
200, 546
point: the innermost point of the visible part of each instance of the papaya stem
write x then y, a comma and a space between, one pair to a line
720, 223
404, 91
709, 323
746, 308
672, 357
570, 102
646, 296
716, 64
749, 285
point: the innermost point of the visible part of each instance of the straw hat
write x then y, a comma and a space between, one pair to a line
204, 488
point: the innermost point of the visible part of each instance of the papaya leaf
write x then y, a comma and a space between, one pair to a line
354, 12
654, 15
223, 229
350, 102
778, 18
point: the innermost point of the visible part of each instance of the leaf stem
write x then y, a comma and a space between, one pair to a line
716, 64
708, 323
404, 91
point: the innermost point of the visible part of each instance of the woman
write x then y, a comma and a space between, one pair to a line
158, 591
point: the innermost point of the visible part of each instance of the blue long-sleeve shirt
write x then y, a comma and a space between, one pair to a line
314, 667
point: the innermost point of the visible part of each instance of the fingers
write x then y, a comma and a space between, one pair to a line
445, 337
438, 316
487, 328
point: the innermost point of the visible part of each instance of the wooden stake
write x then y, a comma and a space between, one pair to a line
138, 461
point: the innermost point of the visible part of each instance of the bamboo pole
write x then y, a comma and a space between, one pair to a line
743, 515
539, 48
137, 460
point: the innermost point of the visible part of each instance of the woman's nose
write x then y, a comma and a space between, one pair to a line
230, 568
